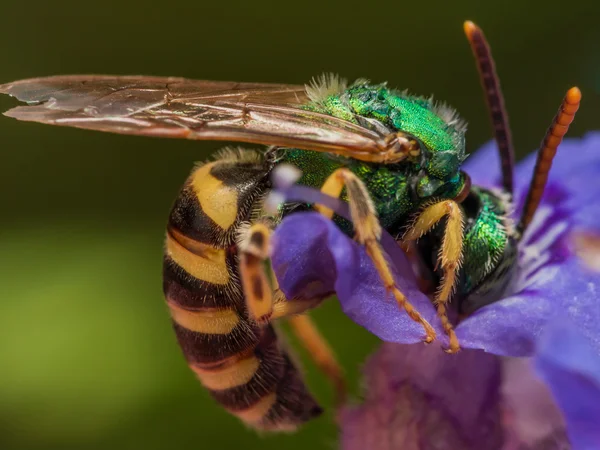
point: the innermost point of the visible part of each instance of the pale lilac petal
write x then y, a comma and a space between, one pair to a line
531, 416
571, 368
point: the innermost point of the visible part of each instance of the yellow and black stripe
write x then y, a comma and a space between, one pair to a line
243, 365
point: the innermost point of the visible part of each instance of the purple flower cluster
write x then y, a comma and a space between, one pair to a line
418, 397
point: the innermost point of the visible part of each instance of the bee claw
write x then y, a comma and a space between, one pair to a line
452, 350
428, 339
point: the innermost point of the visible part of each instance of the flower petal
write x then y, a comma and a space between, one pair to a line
483, 166
571, 368
574, 155
419, 397
553, 282
574, 175
312, 257
511, 326
531, 416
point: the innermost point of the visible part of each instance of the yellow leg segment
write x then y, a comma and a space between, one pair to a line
368, 232
320, 352
450, 255
284, 308
267, 303
254, 251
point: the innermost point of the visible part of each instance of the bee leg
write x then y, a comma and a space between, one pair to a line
450, 255
368, 232
266, 303
311, 339
253, 244
320, 352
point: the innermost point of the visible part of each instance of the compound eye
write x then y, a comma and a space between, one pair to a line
466, 189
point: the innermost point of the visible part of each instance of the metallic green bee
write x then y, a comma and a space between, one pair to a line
394, 157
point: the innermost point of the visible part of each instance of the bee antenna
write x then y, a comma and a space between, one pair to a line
495, 101
546, 153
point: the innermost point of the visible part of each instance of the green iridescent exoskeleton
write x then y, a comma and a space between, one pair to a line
401, 190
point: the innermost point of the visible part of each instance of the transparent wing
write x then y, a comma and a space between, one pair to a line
268, 114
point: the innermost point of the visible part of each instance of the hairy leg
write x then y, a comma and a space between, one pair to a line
449, 258
267, 303
254, 249
320, 352
368, 232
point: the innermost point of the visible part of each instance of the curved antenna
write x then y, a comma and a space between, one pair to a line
494, 100
553, 138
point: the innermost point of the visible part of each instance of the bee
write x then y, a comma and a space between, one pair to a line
394, 157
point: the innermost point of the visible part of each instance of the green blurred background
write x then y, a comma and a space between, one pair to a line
87, 357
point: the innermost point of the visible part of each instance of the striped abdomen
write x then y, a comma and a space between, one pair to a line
242, 365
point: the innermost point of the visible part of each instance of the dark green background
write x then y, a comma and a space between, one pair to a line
87, 358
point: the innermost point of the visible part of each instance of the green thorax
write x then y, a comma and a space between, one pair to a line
397, 189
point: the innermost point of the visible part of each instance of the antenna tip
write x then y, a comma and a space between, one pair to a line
573, 95
470, 28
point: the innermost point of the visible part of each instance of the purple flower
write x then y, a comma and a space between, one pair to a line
571, 368
418, 397
553, 283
